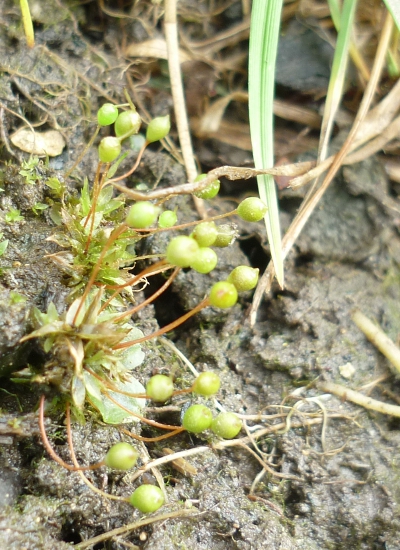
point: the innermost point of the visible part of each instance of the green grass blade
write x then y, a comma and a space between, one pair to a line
338, 72
394, 7
334, 8
264, 34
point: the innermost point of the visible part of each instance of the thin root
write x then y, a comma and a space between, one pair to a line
50, 449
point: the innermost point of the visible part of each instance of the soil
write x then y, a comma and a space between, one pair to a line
335, 484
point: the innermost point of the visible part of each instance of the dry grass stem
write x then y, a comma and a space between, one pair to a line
178, 96
180, 464
136, 525
378, 338
378, 121
169, 458
359, 399
169, 344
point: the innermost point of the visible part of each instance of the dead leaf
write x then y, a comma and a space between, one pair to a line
49, 143
212, 118
156, 47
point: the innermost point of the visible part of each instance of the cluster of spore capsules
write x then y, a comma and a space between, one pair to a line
184, 251
193, 251
197, 419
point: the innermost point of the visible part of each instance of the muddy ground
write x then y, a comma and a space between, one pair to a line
337, 487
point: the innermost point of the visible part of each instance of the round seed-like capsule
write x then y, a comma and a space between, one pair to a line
210, 191
244, 278
226, 425
121, 456
197, 419
205, 233
142, 214
223, 295
158, 128
109, 149
128, 122
226, 236
168, 218
160, 387
205, 261
252, 209
107, 114
147, 498
207, 383
181, 251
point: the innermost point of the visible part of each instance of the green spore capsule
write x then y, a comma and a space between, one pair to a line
109, 149
210, 191
107, 114
205, 233
127, 123
205, 261
168, 218
142, 214
147, 498
226, 236
244, 278
121, 456
223, 295
158, 128
226, 425
207, 383
181, 251
197, 419
160, 388
252, 209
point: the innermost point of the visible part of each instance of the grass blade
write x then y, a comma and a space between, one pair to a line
264, 34
338, 73
393, 7
335, 7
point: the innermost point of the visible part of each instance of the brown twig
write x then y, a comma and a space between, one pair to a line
232, 173
151, 439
